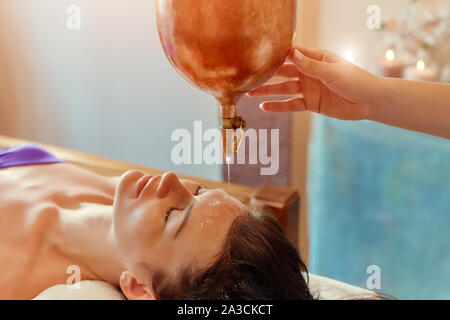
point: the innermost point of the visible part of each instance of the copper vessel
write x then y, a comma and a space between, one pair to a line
227, 47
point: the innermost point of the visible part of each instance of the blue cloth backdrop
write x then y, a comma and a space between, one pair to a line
380, 196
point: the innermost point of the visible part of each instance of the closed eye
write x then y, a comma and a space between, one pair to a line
168, 212
200, 187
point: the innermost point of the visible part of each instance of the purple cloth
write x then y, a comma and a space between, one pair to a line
25, 155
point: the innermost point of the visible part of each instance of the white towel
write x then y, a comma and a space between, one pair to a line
321, 287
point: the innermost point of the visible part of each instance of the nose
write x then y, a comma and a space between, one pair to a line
171, 183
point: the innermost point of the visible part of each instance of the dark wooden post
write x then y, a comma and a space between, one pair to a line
284, 203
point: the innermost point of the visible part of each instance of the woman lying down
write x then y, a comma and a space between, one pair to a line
155, 237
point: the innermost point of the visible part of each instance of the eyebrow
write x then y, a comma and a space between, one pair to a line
186, 213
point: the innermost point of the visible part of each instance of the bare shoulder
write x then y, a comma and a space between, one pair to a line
47, 181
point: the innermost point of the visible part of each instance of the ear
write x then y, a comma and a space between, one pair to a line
133, 290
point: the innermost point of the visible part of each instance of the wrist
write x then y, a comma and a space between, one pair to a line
380, 98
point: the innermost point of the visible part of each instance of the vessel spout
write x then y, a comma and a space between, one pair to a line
232, 127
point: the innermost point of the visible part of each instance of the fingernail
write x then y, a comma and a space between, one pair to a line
298, 55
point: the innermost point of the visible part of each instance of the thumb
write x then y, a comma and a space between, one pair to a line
310, 67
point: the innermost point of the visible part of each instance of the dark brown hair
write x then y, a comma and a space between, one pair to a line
257, 262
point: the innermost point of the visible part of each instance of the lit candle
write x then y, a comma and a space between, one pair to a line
391, 67
421, 72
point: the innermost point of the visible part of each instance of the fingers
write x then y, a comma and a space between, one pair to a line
320, 54
277, 89
313, 68
291, 105
288, 70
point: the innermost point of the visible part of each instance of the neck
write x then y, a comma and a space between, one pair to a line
87, 240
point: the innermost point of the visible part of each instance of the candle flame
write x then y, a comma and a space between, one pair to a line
420, 65
390, 55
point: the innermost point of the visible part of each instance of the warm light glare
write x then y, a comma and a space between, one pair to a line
420, 65
390, 55
228, 159
349, 56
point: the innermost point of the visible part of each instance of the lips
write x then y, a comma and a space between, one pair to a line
142, 182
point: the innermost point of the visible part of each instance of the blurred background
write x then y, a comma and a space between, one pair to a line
371, 195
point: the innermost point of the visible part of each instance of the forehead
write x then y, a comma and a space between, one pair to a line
213, 214
218, 194
206, 230
217, 199
208, 226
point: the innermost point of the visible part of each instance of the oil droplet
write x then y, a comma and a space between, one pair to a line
213, 203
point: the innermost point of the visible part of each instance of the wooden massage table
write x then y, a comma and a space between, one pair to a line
283, 202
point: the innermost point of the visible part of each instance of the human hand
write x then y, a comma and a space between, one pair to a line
322, 82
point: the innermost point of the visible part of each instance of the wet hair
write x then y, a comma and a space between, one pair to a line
256, 262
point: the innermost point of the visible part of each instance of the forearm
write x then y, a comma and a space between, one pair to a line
413, 105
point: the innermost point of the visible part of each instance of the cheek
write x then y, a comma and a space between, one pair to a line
122, 210
139, 227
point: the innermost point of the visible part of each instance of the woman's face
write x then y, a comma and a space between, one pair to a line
167, 223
